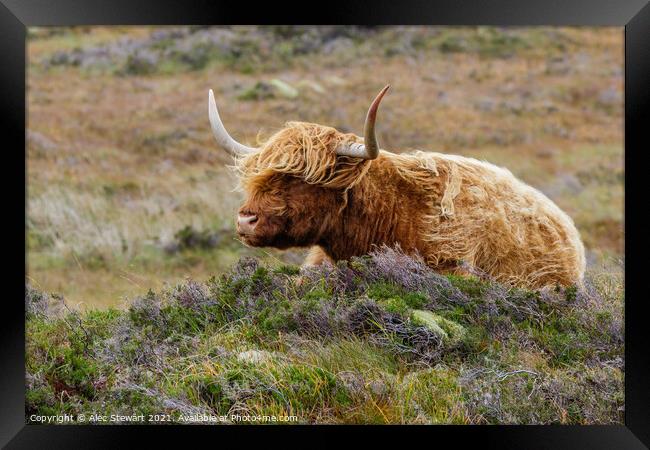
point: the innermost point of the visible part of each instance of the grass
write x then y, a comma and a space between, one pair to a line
328, 345
120, 161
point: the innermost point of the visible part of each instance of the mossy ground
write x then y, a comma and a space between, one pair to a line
335, 345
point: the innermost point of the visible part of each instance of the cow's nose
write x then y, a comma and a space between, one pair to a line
246, 223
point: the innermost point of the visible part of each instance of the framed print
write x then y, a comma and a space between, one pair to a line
410, 214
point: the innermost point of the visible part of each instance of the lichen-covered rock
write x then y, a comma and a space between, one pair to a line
254, 356
450, 332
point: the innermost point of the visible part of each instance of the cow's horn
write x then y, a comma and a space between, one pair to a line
369, 149
221, 135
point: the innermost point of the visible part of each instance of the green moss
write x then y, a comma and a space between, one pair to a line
100, 323
571, 293
396, 305
566, 340
261, 276
395, 298
469, 285
476, 340
429, 320
287, 269
40, 400
311, 299
278, 318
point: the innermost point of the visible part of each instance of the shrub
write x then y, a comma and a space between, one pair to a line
363, 341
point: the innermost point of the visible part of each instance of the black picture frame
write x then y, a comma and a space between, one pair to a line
634, 15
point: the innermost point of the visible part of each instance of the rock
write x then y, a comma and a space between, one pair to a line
254, 356
284, 89
429, 320
171, 248
378, 387
571, 183
141, 62
40, 143
70, 161
558, 65
336, 81
352, 381
546, 152
556, 130
338, 45
512, 106
485, 104
548, 107
260, 91
311, 85
165, 166
450, 332
610, 97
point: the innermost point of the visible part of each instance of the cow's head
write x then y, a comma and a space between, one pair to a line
297, 181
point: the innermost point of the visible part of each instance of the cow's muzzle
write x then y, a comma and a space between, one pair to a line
246, 224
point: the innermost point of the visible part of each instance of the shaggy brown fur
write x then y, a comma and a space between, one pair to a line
449, 209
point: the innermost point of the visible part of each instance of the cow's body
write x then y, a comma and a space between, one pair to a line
309, 185
454, 211
467, 211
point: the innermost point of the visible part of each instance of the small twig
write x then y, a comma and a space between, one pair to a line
533, 389
74, 255
129, 279
503, 376
76, 316
34, 282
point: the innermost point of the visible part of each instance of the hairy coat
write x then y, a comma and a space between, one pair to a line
455, 212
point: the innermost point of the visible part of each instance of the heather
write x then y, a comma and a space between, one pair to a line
378, 339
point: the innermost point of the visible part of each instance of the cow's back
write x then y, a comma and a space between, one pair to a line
489, 219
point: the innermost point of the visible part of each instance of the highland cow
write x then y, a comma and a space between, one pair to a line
312, 186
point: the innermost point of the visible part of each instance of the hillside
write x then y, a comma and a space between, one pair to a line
379, 339
127, 191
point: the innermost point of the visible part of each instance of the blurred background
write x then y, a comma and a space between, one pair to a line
127, 190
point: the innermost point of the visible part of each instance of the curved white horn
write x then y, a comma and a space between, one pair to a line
370, 148
221, 135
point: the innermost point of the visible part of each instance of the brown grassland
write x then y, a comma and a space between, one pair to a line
127, 190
